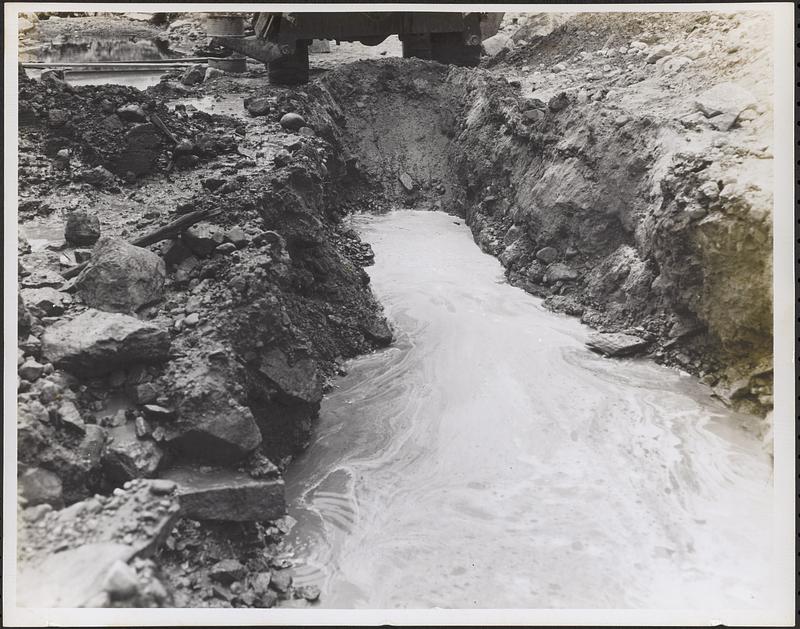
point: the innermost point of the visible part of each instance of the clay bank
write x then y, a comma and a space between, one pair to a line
193, 286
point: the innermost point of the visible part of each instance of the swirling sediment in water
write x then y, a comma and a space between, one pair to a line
488, 459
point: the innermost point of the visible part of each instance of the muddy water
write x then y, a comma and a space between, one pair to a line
489, 460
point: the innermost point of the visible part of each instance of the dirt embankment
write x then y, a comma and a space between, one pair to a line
629, 198
201, 360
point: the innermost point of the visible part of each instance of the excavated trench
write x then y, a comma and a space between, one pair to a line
487, 457
465, 451
586, 205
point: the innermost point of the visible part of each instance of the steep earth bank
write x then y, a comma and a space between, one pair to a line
622, 199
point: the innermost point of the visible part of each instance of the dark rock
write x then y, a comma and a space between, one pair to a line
95, 342
222, 494
132, 113
184, 147
40, 486
227, 571
128, 457
258, 106
378, 331
298, 379
143, 145
82, 255
175, 252
121, 277
292, 121
203, 238
615, 344
82, 228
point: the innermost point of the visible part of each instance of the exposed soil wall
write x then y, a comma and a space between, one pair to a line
622, 219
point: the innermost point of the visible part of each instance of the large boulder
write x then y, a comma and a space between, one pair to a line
220, 494
95, 342
121, 277
211, 426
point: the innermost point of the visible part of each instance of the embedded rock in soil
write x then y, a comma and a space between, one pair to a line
298, 379
203, 238
95, 342
292, 121
222, 494
258, 106
82, 228
143, 144
121, 277
615, 344
211, 425
127, 457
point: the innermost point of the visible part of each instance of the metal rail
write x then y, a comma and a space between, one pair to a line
114, 64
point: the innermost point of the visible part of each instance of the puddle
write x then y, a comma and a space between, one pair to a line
93, 51
99, 51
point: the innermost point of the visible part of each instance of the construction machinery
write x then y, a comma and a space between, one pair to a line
281, 40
